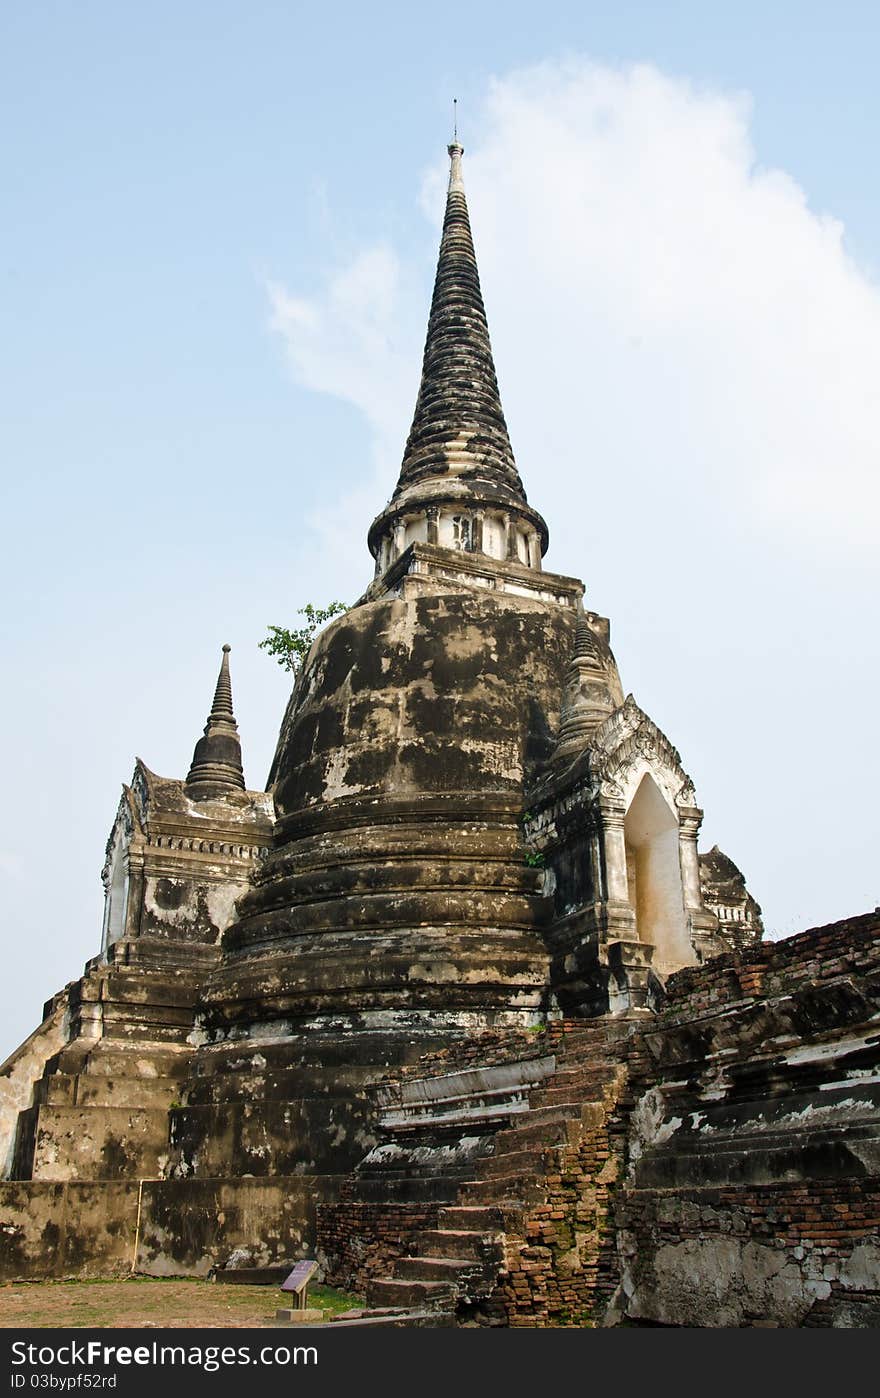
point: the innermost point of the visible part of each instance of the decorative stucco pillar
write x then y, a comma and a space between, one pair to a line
534, 550
431, 521
689, 824
105, 924
509, 538
477, 531
615, 853
135, 897
596, 865
399, 538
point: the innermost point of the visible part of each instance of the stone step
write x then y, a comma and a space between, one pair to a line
389, 1291
577, 1047
316, 1050
81, 1090
294, 1084
559, 1112
578, 1077
537, 1135
316, 1136
373, 1312
523, 1163
103, 1143
100, 1091
453, 1242
405, 1190
478, 1218
590, 1052
478, 1117
574, 1073
122, 1030
415, 1319
578, 1116
501, 1189
446, 1269
140, 989
578, 1086
143, 1061
155, 958
585, 1032
564, 1096
59, 1090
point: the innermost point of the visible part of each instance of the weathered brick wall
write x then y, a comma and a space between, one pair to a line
771, 968
779, 1254
752, 1189
358, 1241
561, 1267
564, 1270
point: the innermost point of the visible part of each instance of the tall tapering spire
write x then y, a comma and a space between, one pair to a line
458, 426
216, 766
458, 451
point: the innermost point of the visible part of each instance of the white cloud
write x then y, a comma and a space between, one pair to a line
625, 212
640, 264
347, 341
11, 865
351, 342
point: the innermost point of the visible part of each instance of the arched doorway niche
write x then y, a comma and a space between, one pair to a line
654, 883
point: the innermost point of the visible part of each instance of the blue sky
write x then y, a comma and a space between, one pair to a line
217, 247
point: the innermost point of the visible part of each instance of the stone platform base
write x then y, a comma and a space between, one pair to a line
160, 1228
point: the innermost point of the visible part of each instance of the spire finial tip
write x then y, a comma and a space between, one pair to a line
455, 151
227, 649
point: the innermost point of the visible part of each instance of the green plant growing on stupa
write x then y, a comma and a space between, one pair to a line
290, 648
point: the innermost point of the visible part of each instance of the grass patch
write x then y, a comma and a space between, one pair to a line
153, 1302
333, 1302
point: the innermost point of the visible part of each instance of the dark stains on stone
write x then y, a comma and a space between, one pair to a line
170, 893
50, 1237
116, 1161
540, 739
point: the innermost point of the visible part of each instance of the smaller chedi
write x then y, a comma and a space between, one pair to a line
181, 852
469, 832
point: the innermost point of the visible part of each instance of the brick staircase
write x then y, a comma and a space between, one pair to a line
457, 1265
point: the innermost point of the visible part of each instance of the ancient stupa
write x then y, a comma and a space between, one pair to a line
471, 840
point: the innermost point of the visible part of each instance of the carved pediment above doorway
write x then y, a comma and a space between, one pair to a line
626, 746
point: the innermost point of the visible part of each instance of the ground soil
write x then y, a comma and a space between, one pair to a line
151, 1303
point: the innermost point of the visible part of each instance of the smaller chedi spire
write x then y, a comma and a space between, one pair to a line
216, 765
587, 699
